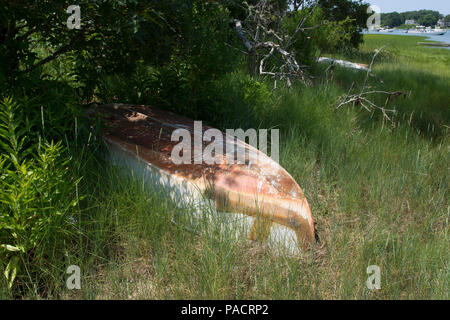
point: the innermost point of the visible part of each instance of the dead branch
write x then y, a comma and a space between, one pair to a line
267, 45
362, 98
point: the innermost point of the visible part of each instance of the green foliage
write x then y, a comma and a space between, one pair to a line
202, 56
190, 40
349, 17
38, 194
320, 34
428, 20
234, 100
306, 43
111, 37
18, 24
393, 19
422, 17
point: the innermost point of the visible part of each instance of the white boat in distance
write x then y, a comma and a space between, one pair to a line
386, 30
428, 32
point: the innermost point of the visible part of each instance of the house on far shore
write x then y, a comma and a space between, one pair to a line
410, 22
442, 23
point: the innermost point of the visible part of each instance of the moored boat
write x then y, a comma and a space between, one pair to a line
427, 32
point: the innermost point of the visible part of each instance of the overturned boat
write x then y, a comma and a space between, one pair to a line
257, 196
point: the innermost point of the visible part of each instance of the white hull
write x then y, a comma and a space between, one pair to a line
200, 214
256, 200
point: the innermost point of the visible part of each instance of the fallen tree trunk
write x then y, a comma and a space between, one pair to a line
344, 63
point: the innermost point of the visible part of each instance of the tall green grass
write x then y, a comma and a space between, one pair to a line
423, 73
38, 200
378, 195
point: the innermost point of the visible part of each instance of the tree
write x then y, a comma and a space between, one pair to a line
354, 12
29, 24
114, 36
393, 19
428, 20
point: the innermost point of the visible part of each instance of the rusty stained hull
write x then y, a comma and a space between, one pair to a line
259, 193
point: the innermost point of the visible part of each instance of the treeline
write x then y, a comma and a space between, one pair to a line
422, 17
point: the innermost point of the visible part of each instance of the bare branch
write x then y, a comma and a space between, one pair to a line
362, 97
267, 44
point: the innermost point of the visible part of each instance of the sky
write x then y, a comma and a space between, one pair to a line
443, 6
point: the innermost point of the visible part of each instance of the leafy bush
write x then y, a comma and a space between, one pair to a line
322, 33
186, 42
346, 19
38, 195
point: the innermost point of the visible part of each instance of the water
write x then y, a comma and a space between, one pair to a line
444, 38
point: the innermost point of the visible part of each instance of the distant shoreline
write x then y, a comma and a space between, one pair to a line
445, 39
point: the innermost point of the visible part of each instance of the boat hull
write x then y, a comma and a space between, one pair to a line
258, 198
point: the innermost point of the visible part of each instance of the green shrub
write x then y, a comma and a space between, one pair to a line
38, 196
